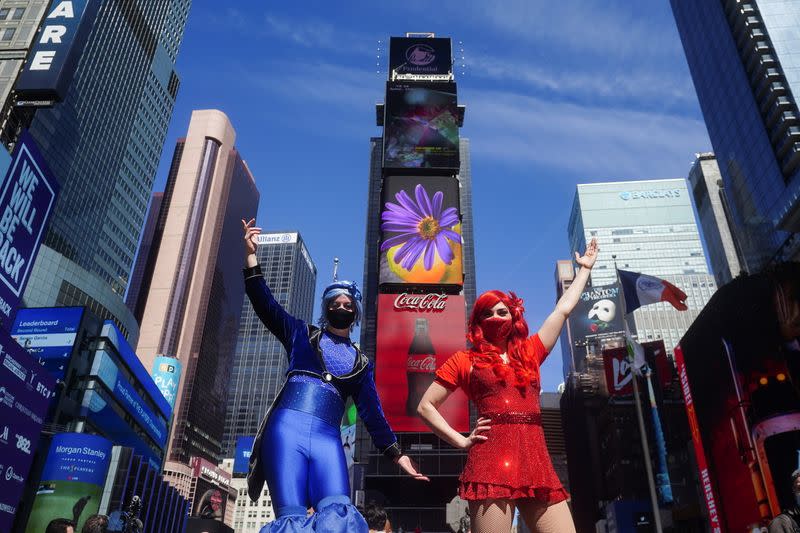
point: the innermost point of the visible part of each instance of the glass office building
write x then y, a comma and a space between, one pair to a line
260, 360
103, 143
648, 227
743, 56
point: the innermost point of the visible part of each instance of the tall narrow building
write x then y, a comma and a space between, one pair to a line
194, 289
260, 361
713, 211
428, 161
742, 56
103, 143
645, 226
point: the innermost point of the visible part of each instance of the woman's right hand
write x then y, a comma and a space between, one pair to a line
475, 437
250, 236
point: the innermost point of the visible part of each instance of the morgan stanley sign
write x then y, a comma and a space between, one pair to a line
27, 196
54, 56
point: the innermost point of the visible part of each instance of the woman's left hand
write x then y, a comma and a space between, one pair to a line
590, 256
410, 467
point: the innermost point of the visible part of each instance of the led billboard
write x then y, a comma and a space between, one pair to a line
421, 126
416, 334
421, 231
420, 56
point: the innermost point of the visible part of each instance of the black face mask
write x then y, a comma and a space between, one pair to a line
340, 318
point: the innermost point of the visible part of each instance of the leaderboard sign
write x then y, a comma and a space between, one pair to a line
27, 196
25, 392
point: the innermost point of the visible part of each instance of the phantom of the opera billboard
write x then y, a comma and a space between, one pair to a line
421, 231
416, 334
598, 312
421, 127
739, 368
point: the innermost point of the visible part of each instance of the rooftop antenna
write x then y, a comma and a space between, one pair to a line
335, 269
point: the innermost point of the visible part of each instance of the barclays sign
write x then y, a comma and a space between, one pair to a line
652, 194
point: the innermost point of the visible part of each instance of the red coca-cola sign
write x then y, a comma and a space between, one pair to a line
421, 302
417, 333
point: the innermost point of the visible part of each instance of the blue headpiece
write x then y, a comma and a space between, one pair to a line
336, 289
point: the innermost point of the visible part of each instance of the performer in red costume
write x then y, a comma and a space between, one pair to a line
508, 465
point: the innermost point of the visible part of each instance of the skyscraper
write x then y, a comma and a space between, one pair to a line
103, 143
194, 291
742, 58
649, 227
260, 362
713, 211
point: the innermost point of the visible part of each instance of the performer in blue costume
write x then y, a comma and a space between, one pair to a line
298, 448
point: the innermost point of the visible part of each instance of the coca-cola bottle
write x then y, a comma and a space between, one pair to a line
420, 366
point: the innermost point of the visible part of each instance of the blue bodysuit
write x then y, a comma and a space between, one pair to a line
298, 449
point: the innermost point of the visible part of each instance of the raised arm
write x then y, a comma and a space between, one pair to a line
551, 328
272, 314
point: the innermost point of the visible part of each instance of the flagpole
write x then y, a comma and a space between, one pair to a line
651, 483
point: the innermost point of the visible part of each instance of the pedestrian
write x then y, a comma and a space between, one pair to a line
298, 448
508, 465
97, 523
789, 520
60, 525
377, 519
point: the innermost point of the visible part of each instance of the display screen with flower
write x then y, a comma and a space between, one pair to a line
421, 231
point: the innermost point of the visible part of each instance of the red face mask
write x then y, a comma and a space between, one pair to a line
496, 330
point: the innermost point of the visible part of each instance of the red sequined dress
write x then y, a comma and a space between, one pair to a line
513, 462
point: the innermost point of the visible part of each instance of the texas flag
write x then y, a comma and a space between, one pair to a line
641, 289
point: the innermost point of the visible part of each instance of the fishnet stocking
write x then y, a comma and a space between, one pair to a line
491, 516
542, 518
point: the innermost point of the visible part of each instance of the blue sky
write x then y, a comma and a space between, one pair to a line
557, 93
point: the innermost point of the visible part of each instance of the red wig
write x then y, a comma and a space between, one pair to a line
521, 366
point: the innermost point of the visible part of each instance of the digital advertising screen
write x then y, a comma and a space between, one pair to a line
26, 390
421, 231
167, 376
48, 334
420, 56
28, 193
72, 482
421, 126
241, 458
417, 333
619, 372
599, 312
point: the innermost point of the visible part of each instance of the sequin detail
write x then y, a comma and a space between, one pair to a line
514, 418
513, 462
339, 355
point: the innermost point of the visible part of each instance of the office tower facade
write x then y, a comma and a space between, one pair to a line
194, 298
260, 360
19, 20
742, 59
374, 476
713, 213
151, 224
648, 227
103, 143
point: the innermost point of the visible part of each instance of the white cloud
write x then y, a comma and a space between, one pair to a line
595, 142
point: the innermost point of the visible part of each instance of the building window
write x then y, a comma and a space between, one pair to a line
4, 13
17, 14
6, 34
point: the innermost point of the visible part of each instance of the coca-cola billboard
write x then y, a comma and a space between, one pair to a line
416, 334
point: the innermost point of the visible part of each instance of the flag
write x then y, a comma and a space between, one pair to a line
641, 289
635, 352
